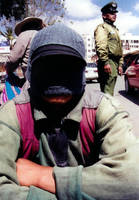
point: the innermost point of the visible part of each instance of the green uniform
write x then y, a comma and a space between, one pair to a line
109, 51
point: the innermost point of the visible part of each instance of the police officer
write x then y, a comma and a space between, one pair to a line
109, 49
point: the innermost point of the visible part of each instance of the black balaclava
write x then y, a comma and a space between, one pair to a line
56, 75
56, 63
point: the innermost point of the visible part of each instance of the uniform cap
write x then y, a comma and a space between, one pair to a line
110, 8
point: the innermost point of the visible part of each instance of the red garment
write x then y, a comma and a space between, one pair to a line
30, 144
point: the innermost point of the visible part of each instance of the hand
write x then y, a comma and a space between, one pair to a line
107, 69
30, 173
120, 71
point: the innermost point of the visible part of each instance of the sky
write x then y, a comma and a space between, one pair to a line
85, 15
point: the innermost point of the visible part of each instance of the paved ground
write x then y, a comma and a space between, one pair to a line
129, 102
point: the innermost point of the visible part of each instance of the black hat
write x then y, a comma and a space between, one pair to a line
110, 8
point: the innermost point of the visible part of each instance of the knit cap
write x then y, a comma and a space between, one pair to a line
57, 34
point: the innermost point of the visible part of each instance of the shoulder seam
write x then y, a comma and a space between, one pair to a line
10, 127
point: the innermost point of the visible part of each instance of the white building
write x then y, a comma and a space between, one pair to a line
130, 43
89, 45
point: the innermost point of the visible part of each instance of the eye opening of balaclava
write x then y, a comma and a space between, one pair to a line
57, 70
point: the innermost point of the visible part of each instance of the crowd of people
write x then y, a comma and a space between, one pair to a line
58, 138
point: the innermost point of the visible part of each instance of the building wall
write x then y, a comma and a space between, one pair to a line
89, 45
130, 43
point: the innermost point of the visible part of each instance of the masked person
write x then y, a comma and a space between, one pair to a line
108, 49
59, 140
18, 58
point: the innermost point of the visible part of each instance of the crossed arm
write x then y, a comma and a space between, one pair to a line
30, 173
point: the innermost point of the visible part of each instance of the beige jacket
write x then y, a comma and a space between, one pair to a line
108, 43
20, 52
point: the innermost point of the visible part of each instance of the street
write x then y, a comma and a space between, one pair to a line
129, 102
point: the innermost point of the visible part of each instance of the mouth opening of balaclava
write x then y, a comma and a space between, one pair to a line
57, 71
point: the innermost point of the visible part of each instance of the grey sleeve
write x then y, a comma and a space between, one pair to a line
116, 174
17, 52
68, 182
9, 146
